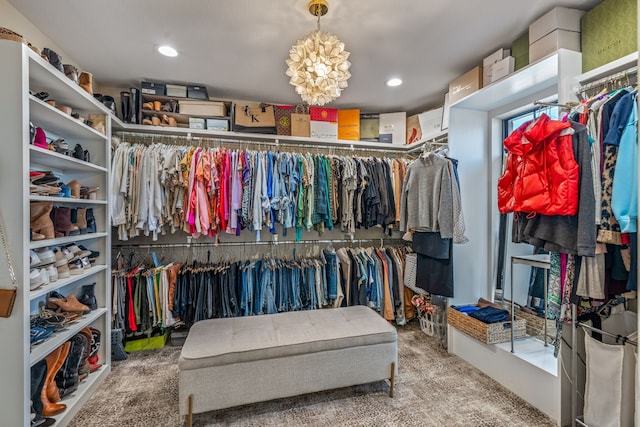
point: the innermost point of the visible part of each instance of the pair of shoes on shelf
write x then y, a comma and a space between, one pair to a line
163, 120
70, 304
170, 106
107, 101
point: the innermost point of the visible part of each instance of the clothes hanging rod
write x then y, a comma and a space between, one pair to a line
612, 78
187, 139
619, 338
567, 106
188, 244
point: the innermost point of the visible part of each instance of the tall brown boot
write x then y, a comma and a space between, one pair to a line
62, 222
81, 220
40, 220
52, 388
85, 80
50, 408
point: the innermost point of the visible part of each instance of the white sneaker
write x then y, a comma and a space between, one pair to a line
35, 279
52, 271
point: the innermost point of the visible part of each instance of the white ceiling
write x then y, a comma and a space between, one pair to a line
238, 48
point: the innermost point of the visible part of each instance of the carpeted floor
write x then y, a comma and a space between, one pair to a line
433, 388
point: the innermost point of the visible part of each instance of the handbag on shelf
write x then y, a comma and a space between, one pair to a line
300, 121
255, 120
283, 119
7, 296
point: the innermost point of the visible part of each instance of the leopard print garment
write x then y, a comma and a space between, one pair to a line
609, 231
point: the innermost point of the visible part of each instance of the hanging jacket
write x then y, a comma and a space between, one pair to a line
541, 174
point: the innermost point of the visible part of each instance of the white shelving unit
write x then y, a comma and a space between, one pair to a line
22, 70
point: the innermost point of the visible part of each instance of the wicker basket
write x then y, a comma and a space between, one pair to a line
493, 333
535, 324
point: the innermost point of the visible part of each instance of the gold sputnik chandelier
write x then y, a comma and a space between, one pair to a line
318, 65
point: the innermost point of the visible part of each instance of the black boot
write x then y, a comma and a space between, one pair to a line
54, 58
38, 377
91, 221
67, 376
125, 106
88, 296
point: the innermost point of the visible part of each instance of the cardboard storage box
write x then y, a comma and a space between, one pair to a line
349, 125
414, 133
370, 127
151, 88
558, 18
609, 32
558, 39
465, 85
502, 68
393, 128
488, 333
431, 122
487, 62
197, 92
196, 123
520, 51
202, 108
217, 124
179, 91
324, 122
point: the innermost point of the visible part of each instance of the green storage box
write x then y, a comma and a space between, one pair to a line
145, 343
609, 32
520, 51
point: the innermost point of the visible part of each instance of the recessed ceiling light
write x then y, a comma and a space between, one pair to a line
394, 82
168, 51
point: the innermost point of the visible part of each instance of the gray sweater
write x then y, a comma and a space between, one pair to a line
427, 202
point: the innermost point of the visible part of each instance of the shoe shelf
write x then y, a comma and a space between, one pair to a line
40, 351
66, 200
53, 120
45, 77
78, 398
61, 283
35, 244
180, 118
59, 161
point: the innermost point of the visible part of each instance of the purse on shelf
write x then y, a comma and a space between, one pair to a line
255, 120
7, 296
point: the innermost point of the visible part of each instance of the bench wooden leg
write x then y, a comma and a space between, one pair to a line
190, 415
392, 379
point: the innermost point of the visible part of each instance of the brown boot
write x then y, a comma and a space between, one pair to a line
52, 388
85, 80
81, 220
75, 188
40, 220
62, 222
50, 408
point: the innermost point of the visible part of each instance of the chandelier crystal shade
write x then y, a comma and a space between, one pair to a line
318, 64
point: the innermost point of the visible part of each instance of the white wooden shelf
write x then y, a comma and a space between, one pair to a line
67, 200
78, 398
45, 77
118, 125
53, 120
40, 351
620, 64
65, 240
59, 161
533, 78
61, 283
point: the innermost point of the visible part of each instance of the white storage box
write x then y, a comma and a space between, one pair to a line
393, 128
502, 68
431, 122
487, 62
558, 39
217, 124
558, 18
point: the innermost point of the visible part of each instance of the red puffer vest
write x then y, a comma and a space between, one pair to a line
541, 175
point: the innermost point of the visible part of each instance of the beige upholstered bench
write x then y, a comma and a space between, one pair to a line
235, 361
